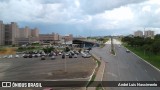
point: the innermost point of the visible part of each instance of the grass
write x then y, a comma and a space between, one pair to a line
99, 63
102, 45
94, 75
113, 52
92, 80
99, 87
150, 57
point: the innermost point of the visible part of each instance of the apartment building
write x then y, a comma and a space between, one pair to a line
35, 32
11, 33
2, 33
138, 33
149, 33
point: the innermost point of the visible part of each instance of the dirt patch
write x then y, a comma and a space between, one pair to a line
7, 51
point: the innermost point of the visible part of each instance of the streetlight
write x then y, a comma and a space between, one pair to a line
65, 63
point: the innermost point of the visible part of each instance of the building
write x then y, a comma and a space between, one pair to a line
68, 37
35, 32
53, 38
11, 32
2, 33
22, 41
149, 33
27, 35
138, 33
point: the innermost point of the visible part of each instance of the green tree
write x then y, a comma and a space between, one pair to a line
156, 47
67, 49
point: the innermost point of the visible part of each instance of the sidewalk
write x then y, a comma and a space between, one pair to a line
99, 74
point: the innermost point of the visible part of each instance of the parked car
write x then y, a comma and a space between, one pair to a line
60, 53
70, 55
75, 56
33, 55
63, 56
127, 51
67, 54
50, 54
53, 57
86, 55
30, 56
25, 56
17, 56
5, 56
43, 58
10, 56
36, 56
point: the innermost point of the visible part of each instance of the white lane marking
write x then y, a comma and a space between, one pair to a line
145, 70
112, 74
154, 79
136, 79
145, 61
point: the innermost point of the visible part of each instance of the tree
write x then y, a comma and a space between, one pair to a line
67, 49
156, 47
157, 36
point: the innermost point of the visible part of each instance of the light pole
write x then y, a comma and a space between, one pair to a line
144, 41
65, 63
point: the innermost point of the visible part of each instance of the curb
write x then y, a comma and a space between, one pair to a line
144, 60
99, 72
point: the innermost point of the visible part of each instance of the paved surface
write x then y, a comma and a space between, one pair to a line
126, 67
34, 69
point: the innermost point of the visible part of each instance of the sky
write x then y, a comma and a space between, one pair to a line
83, 17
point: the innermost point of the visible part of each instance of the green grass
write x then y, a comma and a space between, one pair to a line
150, 57
94, 75
102, 45
99, 87
2, 49
92, 80
113, 52
99, 63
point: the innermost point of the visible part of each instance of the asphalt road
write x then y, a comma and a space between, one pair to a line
125, 67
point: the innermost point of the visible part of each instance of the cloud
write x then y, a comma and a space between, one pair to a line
93, 16
99, 6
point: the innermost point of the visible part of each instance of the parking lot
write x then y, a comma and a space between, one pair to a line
36, 69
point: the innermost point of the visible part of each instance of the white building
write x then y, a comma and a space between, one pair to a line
138, 33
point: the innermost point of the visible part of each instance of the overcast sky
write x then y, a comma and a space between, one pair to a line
83, 17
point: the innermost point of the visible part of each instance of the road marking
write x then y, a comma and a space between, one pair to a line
112, 74
154, 79
145, 70
145, 61
136, 79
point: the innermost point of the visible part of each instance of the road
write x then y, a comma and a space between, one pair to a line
125, 67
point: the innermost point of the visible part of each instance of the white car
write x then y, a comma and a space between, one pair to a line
10, 56
75, 56
17, 56
5, 56
38, 55
67, 54
60, 53
127, 51
53, 57
86, 55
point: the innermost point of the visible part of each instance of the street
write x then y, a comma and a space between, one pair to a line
125, 67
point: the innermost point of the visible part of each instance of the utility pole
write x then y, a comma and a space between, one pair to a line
112, 46
144, 41
65, 62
